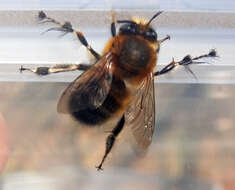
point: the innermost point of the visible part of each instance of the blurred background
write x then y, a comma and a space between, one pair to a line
193, 145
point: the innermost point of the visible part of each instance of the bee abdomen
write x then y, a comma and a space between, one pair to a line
96, 116
111, 105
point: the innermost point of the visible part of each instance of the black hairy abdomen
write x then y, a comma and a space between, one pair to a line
111, 104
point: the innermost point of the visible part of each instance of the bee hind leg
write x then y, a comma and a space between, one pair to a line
111, 140
57, 68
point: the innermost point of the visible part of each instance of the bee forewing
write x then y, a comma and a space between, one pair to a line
140, 115
90, 89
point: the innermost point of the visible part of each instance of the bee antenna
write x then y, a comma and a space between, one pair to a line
154, 16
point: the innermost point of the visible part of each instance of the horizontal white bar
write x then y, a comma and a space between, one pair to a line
25, 45
215, 5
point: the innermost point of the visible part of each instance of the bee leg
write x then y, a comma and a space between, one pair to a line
84, 42
113, 25
66, 28
57, 68
111, 140
167, 68
164, 39
186, 62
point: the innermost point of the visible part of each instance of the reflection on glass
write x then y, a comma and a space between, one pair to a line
193, 145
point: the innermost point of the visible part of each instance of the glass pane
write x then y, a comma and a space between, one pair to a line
193, 143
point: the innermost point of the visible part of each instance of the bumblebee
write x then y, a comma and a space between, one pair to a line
120, 84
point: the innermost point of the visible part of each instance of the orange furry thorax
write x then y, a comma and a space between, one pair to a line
124, 57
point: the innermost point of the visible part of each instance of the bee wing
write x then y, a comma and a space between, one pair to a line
140, 115
90, 89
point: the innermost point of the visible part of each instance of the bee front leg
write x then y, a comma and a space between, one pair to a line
113, 24
67, 28
111, 140
57, 68
164, 39
84, 42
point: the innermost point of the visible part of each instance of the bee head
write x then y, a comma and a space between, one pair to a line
139, 27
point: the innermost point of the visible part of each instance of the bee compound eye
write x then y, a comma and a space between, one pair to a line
148, 34
151, 34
